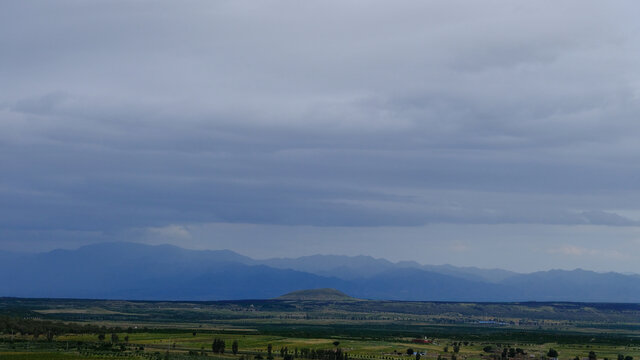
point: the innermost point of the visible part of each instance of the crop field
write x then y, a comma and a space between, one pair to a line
316, 329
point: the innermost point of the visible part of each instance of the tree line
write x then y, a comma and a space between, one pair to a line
219, 346
49, 329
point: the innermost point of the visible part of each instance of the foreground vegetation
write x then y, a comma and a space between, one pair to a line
315, 329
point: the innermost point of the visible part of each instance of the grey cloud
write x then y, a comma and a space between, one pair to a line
607, 218
120, 115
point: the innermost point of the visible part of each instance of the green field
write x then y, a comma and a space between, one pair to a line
315, 329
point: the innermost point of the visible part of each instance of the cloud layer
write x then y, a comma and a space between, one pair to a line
120, 115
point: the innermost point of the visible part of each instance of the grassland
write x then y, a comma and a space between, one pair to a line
375, 330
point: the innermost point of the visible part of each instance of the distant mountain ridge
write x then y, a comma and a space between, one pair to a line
165, 272
351, 267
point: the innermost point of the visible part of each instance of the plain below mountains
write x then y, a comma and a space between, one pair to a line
144, 272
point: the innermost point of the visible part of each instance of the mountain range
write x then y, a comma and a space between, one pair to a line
143, 272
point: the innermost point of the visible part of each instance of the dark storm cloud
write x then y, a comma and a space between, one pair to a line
132, 114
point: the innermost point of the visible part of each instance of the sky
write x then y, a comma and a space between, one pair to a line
492, 134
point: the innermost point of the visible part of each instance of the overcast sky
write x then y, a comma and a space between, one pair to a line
486, 133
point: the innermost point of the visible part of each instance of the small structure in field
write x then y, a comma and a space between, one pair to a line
422, 341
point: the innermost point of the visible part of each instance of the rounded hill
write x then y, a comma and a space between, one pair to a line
316, 294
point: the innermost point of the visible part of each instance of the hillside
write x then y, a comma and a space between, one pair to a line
144, 272
325, 294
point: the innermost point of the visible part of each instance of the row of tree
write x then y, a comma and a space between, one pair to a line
306, 353
594, 356
114, 338
218, 346
319, 354
551, 353
36, 328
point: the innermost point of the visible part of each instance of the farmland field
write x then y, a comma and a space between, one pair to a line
316, 329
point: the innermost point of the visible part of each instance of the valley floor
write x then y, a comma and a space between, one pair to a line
315, 329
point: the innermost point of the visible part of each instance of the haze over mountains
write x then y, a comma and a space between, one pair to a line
137, 271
